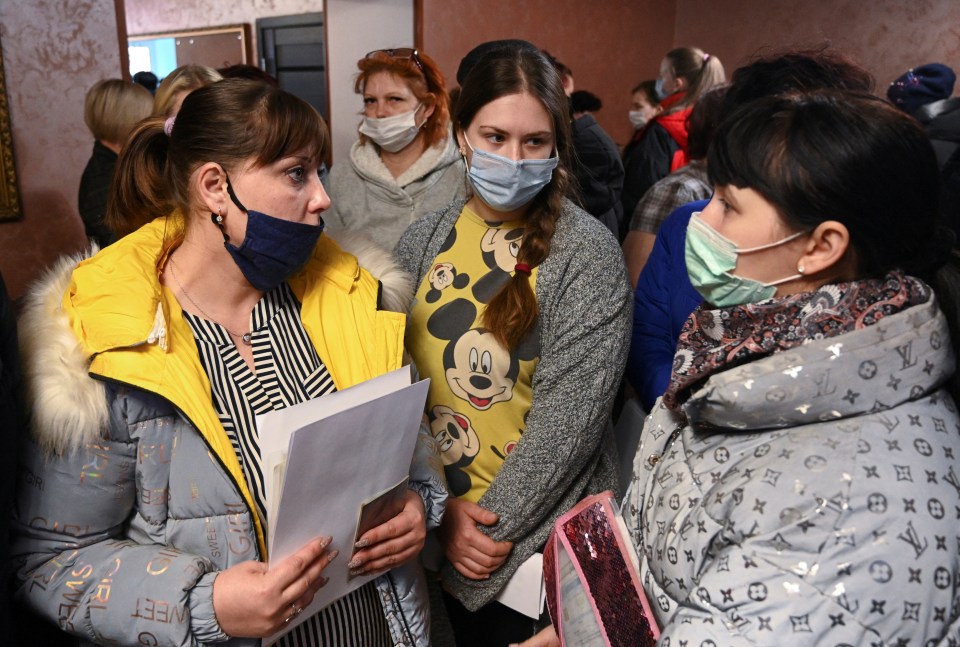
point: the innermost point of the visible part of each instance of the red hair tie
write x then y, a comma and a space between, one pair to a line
522, 268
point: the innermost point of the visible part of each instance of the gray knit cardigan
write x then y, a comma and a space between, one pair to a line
567, 450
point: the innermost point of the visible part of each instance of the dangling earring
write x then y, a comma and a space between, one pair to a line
217, 219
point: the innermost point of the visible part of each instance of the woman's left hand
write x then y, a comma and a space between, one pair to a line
394, 542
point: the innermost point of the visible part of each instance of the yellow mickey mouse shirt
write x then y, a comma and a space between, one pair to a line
480, 393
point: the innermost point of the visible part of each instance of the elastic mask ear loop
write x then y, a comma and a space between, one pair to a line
775, 243
233, 196
217, 218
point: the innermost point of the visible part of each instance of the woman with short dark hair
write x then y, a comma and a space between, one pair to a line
797, 482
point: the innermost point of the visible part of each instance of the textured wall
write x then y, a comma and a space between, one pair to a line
610, 45
52, 51
150, 16
886, 36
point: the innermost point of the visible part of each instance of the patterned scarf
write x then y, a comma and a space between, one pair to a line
713, 341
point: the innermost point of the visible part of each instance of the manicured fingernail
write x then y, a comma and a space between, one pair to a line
363, 543
333, 554
323, 581
356, 571
355, 564
325, 541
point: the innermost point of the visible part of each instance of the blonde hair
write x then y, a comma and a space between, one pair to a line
185, 78
113, 107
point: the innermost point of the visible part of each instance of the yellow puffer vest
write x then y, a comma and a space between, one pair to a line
132, 329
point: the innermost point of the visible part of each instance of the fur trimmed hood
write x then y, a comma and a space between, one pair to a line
398, 288
65, 406
60, 396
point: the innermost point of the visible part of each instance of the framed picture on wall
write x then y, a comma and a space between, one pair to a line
215, 47
9, 194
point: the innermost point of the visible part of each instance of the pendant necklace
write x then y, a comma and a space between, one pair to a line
246, 338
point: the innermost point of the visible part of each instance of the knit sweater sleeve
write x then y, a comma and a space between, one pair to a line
585, 310
421, 242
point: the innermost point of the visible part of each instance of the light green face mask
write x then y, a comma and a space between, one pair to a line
710, 258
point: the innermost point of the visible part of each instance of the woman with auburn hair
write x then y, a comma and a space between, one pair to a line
148, 364
659, 148
405, 163
521, 319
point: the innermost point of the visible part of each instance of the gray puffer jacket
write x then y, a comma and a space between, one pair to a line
567, 449
812, 499
127, 508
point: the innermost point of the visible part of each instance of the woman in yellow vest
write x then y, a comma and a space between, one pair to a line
142, 515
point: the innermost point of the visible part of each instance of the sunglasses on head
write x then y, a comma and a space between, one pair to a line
403, 53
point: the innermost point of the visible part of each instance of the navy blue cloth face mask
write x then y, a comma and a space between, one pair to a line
273, 249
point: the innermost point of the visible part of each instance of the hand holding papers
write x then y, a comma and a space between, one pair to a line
325, 458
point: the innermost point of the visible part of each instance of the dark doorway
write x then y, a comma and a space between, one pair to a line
292, 49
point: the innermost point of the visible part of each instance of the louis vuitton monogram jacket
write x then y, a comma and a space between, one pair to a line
814, 500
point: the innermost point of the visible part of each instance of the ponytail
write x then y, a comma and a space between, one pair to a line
711, 76
702, 72
140, 190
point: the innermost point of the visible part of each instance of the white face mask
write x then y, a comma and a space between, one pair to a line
394, 133
638, 119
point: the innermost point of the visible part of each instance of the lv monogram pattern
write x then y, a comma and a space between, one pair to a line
813, 498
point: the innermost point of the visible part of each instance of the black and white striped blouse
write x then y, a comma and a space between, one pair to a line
287, 371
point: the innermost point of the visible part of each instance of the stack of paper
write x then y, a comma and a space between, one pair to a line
328, 460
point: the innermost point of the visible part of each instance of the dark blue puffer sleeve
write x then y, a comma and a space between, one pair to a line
663, 300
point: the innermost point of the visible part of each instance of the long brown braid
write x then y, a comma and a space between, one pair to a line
513, 311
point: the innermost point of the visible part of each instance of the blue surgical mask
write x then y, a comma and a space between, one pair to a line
273, 249
504, 184
710, 260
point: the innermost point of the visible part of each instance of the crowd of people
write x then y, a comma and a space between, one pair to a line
769, 269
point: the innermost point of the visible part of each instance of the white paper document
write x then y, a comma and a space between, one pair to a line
525, 592
325, 458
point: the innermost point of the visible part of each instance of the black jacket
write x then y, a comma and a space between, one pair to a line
646, 162
599, 172
94, 189
941, 122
